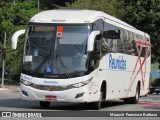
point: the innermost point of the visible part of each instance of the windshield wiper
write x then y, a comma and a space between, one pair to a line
42, 63
62, 64
76, 48
57, 55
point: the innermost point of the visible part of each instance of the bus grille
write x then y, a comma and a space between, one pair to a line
49, 88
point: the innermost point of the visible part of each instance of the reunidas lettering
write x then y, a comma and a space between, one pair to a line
119, 63
50, 82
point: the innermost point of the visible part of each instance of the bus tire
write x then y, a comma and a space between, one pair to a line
133, 100
97, 105
44, 104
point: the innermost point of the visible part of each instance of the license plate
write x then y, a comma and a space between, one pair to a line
50, 98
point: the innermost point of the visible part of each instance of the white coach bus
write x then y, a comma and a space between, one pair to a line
83, 56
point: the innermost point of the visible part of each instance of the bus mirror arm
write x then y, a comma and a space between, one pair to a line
15, 38
90, 44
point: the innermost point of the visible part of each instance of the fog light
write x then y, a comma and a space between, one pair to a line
79, 95
25, 93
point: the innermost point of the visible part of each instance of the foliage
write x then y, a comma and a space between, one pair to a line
14, 15
53, 4
145, 15
112, 7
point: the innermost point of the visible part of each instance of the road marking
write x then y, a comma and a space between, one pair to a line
150, 100
149, 104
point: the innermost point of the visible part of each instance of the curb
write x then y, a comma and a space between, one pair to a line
10, 88
3, 89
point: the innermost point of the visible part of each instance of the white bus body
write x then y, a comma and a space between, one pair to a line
113, 63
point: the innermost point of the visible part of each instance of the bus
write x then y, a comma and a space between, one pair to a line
83, 56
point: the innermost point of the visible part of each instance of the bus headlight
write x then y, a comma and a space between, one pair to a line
25, 82
77, 85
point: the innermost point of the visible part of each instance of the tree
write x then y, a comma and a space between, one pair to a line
145, 15
53, 4
112, 7
14, 15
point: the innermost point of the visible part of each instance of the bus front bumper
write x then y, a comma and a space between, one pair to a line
75, 95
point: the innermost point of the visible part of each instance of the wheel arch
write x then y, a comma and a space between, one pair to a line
139, 86
104, 89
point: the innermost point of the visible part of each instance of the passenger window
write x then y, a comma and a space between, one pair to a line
132, 48
112, 38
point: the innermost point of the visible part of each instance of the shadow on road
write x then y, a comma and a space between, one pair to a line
19, 104
83, 106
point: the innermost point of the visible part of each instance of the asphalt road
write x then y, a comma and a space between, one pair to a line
10, 101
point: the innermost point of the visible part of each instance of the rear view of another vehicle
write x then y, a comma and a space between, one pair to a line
155, 86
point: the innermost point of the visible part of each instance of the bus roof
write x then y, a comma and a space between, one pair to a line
72, 16
69, 16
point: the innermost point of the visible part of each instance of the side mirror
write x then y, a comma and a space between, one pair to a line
111, 34
91, 39
15, 38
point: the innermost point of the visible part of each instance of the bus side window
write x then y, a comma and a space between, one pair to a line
132, 48
143, 52
112, 35
104, 47
97, 49
95, 54
119, 46
125, 41
110, 45
114, 45
98, 25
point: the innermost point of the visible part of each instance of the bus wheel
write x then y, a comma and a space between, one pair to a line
136, 98
44, 104
97, 105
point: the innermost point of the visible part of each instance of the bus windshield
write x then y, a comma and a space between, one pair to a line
55, 50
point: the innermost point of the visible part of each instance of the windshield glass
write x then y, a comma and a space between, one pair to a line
55, 49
